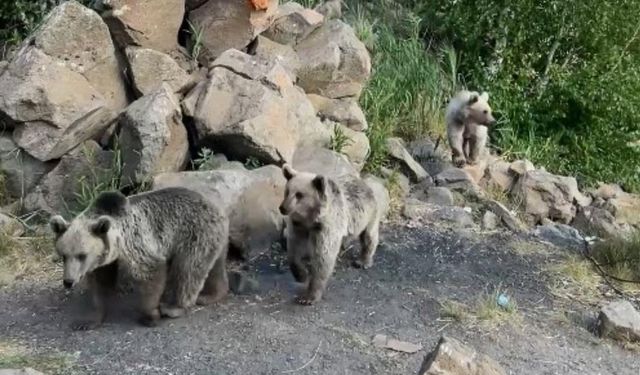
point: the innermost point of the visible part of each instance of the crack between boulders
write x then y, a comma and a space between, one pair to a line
264, 81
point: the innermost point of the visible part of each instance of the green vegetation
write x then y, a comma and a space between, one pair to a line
620, 258
339, 140
485, 312
195, 41
14, 356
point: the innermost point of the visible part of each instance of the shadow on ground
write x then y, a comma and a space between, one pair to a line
266, 333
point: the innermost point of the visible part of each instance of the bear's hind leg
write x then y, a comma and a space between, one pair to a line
151, 292
216, 287
369, 244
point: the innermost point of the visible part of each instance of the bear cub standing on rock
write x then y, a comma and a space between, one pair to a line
468, 115
169, 240
320, 214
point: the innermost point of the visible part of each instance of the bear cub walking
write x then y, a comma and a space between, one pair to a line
172, 242
320, 214
468, 115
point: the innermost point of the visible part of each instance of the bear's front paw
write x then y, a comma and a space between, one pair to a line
149, 320
459, 162
305, 300
472, 162
85, 325
365, 265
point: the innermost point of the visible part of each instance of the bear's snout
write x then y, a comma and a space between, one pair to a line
282, 209
67, 283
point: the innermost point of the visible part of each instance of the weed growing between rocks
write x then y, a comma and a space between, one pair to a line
339, 140
620, 258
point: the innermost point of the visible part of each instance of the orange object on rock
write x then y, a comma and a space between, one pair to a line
259, 4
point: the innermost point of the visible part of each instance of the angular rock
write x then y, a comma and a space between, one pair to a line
545, 195
431, 156
77, 38
229, 24
452, 357
456, 179
292, 23
312, 132
561, 235
490, 221
322, 161
54, 108
356, 146
499, 175
20, 170
608, 191
271, 73
250, 198
506, 216
10, 226
145, 23
153, 138
285, 55
189, 104
149, 69
344, 111
334, 62
625, 208
244, 118
440, 196
477, 171
599, 222
330, 9
401, 156
619, 320
424, 212
87, 166
520, 167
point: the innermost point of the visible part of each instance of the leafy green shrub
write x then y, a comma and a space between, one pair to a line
563, 77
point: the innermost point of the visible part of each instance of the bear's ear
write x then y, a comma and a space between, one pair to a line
101, 226
288, 172
484, 96
320, 184
58, 225
473, 99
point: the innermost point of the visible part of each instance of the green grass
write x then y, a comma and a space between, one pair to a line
195, 40
339, 140
620, 257
409, 86
484, 312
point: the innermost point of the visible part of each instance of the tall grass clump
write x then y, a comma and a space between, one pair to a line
410, 82
563, 83
620, 257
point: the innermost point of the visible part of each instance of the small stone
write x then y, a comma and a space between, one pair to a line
506, 216
490, 221
440, 196
452, 357
619, 320
520, 167
401, 156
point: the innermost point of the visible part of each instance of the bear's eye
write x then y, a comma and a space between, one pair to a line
81, 257
299, 195
485, 111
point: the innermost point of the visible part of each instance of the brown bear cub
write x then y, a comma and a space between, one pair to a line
321, 213
171, 242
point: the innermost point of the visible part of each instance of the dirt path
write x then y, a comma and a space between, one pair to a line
416, 270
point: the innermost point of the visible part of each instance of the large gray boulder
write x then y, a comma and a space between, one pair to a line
149, 69
144, 23
21, 171
269, 50
250, 198
545, 195
334, 62
229, 24
53, 108
153, 138
77, 38
83, 169
345, 111
399, 155
292, 23
322, 161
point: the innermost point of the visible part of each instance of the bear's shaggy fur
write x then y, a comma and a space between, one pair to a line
172, 242
468, 115
321, 213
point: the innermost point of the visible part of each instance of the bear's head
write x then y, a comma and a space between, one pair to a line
478, 109
304, 197
88, 241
